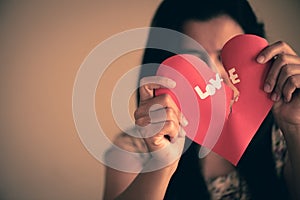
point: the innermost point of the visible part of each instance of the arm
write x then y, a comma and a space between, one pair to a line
283, 84
116, 182
291, 170
146, 181
159, 123
148, 185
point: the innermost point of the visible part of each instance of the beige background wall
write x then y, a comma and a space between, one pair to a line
42, 45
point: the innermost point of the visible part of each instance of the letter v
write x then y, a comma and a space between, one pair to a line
216, 83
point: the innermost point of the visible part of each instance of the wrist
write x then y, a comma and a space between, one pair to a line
166, 159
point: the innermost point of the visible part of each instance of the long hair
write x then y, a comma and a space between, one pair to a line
257, 165
172, 14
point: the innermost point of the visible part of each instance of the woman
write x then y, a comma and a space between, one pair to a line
268, 168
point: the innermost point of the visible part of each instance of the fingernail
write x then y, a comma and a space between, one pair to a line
173, 140
275, 97
267, 88
260, 59
184, 121
286, 100
236, 99
171, 83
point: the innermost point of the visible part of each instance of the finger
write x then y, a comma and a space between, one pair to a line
183, 121
290, 87
275, 49
156, 103
286, 72
157, 134
167, 113
279, 63
162, 115
170, 130
150, 83
157, 113
157, 116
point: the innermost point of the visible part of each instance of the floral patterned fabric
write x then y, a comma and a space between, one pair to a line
228, 187
232, 186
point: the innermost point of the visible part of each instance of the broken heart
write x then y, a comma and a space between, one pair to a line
204, 98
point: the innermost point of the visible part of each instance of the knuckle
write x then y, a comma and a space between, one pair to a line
136, 114
152, 141
168, 101
286, 70
281, 58
281, 43
143, 121
170, 112
166, 98
172, 125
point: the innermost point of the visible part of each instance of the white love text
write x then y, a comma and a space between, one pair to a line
210, 88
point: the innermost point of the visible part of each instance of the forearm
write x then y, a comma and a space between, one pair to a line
291, 171
150, 185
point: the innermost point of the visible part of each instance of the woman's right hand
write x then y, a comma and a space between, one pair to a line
159, 120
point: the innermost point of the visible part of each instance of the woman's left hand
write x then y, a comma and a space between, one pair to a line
283, 83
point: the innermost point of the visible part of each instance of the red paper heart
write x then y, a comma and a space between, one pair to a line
208, 122
240, 53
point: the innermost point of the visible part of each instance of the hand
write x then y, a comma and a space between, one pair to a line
283, 82
159, 120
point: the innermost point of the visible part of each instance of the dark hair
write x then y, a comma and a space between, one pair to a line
257, 165
172, 14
